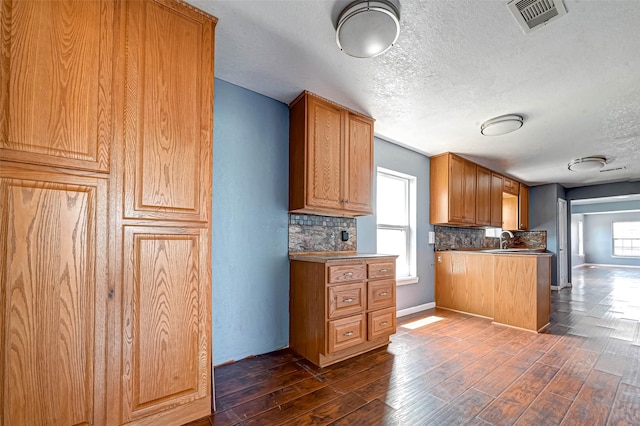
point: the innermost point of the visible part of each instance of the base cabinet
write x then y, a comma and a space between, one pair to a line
340, 308
511, 289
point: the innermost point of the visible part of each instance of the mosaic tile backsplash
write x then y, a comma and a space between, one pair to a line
454, 238
321, 233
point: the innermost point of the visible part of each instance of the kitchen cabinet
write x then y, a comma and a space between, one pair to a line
340, 306
105, 188
511, 186
515, 209
484, 200
512, 289
496, 200
330, 158
464, 282
523, 208
522, 291
453, 190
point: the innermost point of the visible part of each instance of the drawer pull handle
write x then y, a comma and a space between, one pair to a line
383, 270
348, 274
384, 293
383, 323
348, 333
348, 300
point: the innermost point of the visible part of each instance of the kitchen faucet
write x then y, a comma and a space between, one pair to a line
503, 243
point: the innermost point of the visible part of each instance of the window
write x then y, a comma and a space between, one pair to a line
626, 239
580, 238
396, 221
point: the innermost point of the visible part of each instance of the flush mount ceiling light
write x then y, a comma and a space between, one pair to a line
368, 28
587, 164
502, 125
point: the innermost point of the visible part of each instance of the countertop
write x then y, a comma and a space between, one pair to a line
335, 255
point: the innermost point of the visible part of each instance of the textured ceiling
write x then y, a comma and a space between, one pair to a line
456, 64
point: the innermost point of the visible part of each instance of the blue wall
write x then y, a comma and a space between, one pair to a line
250, 230
598, 245
394, 157
543, 216
606, 207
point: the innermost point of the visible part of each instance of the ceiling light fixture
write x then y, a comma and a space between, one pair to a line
587, 164
502, 125
368, 28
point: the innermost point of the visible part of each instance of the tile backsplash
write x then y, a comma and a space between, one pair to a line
313, 233
452, 238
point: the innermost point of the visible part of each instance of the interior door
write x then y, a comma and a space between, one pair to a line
562, 243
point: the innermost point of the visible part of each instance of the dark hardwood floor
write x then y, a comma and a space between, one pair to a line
463, 370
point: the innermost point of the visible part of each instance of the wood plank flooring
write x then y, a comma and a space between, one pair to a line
463, 370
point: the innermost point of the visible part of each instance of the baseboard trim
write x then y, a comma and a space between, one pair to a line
415, 309
555, 287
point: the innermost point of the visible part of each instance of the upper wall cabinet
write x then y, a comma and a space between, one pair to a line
466, 194
330, 158
169, 89
453, 186
57, 83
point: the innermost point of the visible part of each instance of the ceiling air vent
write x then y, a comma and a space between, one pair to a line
613, 170
532, 14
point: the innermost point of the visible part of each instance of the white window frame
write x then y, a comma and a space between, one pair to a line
613, 239
410, 229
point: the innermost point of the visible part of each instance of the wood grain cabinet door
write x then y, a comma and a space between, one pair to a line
169, 100
523, 208
483, 196
167, 315
56, 82
325, 123
496, 200
358, 176
456, 189
53, 297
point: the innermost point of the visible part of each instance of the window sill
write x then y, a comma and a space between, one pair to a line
407, 280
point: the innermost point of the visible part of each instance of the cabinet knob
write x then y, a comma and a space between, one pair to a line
383, 270
348, 300
383, 293
348, 274
348, 333
383, 323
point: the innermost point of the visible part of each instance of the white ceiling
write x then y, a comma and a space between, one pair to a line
456, 64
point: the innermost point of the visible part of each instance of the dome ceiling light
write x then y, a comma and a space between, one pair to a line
587, 164
502, 125
368, 28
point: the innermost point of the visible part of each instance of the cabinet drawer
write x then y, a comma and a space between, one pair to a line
381, 270
346, 273
346, 299
381, 294
381, 323
346, 332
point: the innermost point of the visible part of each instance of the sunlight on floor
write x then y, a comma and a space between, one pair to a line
422, 322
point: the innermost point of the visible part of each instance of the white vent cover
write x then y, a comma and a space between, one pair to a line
532, 14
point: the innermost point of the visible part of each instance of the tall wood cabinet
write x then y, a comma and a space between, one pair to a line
483, 196
105, 199
453, 190
330, 158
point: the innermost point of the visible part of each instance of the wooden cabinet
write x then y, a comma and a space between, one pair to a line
522, 291
515, 209
464, 282
330, 158
523, 208
509, 288
340, 307
57, 83
453, 190
511, 186
496, 200
53, 297
483, 196
105, 191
